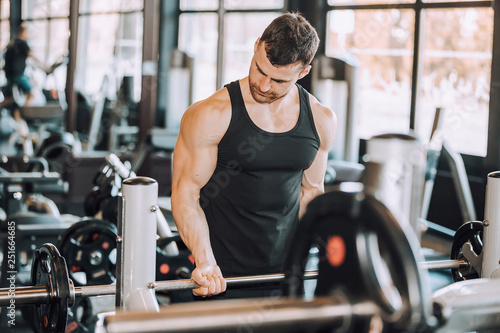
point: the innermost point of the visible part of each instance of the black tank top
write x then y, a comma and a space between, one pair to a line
251, 201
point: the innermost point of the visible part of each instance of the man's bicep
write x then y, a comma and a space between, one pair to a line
326, 126
194, 163
314, 176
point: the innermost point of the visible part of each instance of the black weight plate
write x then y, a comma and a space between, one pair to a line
93, 200
365, 256
49, 270
472, 232
89, 247
81, 316
171, 267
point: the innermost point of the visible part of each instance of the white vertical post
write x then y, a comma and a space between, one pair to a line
138, 271
398, 181
491, 228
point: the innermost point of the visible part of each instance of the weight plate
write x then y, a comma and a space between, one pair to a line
93, 200
89, 247
81, 316
49, 270
171, 267
365, 256
471, 232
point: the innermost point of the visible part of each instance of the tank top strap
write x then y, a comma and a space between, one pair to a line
306, 112
236, 98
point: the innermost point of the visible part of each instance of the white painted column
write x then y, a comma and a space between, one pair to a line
396, 174
491, 228
138, 245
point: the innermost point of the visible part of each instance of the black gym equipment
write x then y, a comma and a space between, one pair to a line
89, 247
173, 267
368, 273
107, 184
17, 185
365, 255
469, 237
52, 291
49, 270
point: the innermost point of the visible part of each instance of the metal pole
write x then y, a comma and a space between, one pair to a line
491, 228
38, 295
140, 196
24, 295
444, 264
398, 180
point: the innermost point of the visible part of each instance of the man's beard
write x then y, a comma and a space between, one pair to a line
266, 98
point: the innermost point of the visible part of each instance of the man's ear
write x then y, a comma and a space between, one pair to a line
256, 45
305, 71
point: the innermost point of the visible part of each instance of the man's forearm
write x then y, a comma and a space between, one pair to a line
305, 197
193, 227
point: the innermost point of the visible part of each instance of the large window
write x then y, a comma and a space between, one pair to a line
456, 76
4, 24
452, 73
4, 33
48, 31
109, 46
381, 43
198, 39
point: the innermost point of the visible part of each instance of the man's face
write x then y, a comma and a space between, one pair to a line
269, 83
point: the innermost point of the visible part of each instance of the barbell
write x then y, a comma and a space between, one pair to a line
53, 292
363, 252
43, 294
369, 272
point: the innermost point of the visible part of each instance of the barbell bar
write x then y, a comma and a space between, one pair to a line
39, 294
435, 265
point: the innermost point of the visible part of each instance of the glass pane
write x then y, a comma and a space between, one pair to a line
199, 4
4, 40
456, 76
198, 38
5, 9
35, 9
95, 52
59, 8
5, 34
381, 42
132, 5
128, 51
253, 4
37, 40
57, 49
99, 6
366, 2
241, 32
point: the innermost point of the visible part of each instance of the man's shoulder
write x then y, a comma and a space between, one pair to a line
216, 105
210, 116
325, 121
319, 110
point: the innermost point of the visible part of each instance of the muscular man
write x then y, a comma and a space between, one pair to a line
249, 158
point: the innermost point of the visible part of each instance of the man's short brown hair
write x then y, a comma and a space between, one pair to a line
290, 38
